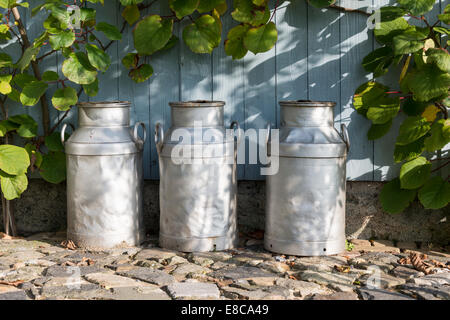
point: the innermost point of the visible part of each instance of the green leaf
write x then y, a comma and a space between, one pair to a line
435, 194
64, 98
378, 61
440, 58
245, 11
29, 55
35, 156
32, 92
13, 185
183, 8
438, 139
394, 199
53, 167
53, 142
14, 95
383, 110
209, 5
368, 94
87, 17
98, 58
5, 87
22, 79
53, 25
428, 82
151, 34
387, 30
110, 31
130, 60
5, 60
50, 76
412, 129
409, 151
27, 125
171, 43
261, 39
141, 73
62, 40
78, 69
409, 42
130, 2
13, 160
203, 35
377, 131
234, 45
3, 129
413, 108
131, 14
417, 7
445, 17
321, 3
415, 173
91, 89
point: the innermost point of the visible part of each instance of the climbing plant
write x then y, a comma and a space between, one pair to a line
74, 34
407, 38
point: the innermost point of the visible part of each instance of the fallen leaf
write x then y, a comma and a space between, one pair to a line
86, 262
417, 261
4, 236
343, 269
69, 244
12, 283
258, 234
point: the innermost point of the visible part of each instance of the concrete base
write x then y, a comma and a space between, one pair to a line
43, 208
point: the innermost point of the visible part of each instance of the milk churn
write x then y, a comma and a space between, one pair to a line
104, 177
197, 166
305, 210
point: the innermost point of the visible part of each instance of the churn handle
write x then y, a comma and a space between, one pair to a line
267, 138
159, 138
345, 136
63, 130
136, 137
236, 124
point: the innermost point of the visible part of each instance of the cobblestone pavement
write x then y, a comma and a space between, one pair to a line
38, 267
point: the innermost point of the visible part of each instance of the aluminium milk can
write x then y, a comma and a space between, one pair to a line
104, 177
305, 211
197, 166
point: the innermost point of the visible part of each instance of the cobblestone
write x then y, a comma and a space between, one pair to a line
39, 268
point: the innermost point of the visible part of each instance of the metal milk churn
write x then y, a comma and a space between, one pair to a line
197, 165
104, 177
305, 210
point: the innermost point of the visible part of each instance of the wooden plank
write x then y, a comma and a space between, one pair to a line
164, 88
323, 57
229, 82
108, 81
291, 52
137, 93
195, 71
356, 42
260, 100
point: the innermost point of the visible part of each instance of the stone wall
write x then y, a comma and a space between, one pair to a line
43, 208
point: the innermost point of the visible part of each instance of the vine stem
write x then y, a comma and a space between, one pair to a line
441, 166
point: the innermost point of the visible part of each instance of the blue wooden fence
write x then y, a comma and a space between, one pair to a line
318, 56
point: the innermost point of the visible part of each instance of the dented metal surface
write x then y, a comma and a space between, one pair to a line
197, 187
104, 177
305, 210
